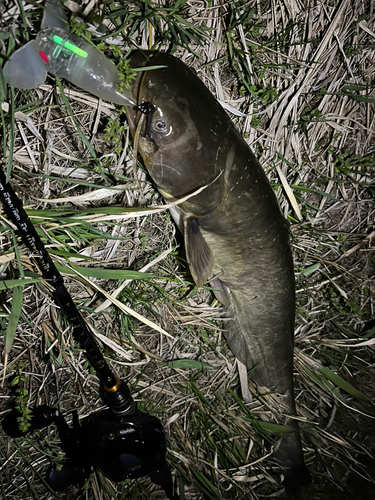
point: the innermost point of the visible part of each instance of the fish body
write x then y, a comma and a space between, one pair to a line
233, 229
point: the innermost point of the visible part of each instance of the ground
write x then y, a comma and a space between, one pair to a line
297, 79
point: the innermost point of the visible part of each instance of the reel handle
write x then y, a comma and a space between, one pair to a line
42, 416
71, 473
120, 445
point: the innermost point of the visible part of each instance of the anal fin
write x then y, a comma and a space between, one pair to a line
221, 291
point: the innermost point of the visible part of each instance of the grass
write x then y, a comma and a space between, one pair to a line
300, 83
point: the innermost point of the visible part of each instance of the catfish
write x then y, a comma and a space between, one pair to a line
235, 236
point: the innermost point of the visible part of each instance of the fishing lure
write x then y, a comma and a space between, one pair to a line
55, 50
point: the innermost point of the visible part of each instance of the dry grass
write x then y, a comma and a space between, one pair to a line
316, 141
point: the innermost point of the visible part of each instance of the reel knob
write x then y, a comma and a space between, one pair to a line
41, 416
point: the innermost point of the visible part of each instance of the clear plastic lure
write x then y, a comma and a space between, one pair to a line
55, 50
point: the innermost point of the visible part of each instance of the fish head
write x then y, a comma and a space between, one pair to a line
176, 140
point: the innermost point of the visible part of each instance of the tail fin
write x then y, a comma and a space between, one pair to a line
290, 456
266, 346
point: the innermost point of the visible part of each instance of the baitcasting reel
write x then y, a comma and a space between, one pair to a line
121, 447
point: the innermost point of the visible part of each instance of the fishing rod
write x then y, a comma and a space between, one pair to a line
120, 441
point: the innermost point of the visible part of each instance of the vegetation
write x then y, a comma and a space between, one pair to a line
298, 81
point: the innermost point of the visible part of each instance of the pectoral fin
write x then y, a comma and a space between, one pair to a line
199, 254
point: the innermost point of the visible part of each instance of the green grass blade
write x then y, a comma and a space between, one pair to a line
9, 284
69, 109
188, 364
340, 382
11, 138
324, 383
13, 322
311, 269
109, 274
14, 317
2, 87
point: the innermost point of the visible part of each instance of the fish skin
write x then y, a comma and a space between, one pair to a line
234, 228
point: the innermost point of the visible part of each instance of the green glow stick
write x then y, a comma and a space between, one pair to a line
70, 46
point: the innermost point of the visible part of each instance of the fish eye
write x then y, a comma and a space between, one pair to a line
160, 126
